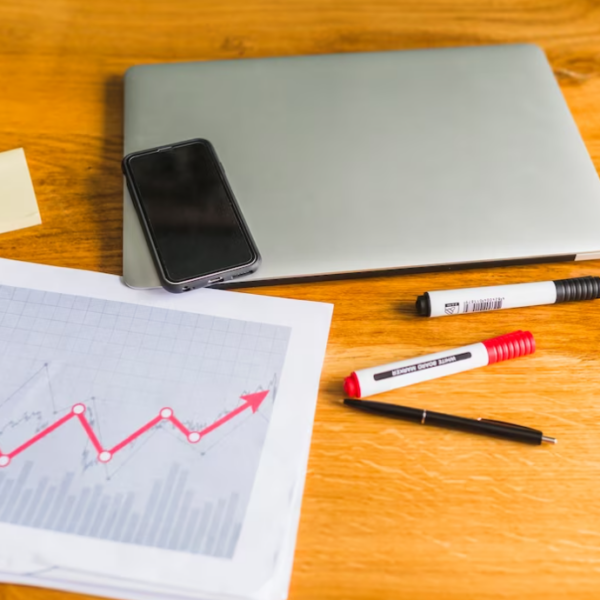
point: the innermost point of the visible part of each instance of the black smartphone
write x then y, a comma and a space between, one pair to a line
192, 222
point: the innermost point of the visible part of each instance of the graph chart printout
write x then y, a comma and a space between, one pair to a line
130, 423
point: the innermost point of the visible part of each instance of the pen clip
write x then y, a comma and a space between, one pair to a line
522, 427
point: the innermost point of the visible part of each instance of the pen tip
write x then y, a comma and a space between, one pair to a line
352, 402
549, 440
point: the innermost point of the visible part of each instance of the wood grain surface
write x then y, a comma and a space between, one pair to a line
391, 510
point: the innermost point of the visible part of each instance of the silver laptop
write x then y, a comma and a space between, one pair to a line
382, 162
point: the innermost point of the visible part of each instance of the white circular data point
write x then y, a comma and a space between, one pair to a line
79, 409
194, 437
4, 461
166, 413
104, 456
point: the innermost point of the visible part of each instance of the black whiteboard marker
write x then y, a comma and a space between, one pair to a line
470, 300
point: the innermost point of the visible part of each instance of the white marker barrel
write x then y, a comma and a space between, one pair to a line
469, 300
376, 380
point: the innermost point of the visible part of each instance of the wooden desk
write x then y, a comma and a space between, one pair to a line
391, 510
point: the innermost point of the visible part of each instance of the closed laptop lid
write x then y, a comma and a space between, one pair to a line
371, 162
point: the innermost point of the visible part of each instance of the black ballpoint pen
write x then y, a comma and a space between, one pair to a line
499, 429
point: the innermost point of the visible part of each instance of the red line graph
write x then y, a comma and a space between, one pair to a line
252, 401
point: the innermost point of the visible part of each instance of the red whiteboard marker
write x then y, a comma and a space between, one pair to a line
376, 380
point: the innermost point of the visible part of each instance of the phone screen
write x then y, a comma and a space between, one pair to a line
189, 211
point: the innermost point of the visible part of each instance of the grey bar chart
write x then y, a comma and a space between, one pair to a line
167, 519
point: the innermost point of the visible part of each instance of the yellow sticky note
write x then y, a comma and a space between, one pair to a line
18, 206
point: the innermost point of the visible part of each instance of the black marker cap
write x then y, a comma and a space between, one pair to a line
578, 288
424, 305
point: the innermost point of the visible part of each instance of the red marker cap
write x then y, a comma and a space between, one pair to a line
352, 386
511, 345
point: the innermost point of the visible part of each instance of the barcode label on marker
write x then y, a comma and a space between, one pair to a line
482, 305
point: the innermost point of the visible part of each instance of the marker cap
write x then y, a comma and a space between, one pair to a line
352, 386
511, 345
423, 305
578, 288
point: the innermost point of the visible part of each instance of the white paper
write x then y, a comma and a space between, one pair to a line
260, 567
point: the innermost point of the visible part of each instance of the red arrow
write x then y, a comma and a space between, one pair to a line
253, 401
